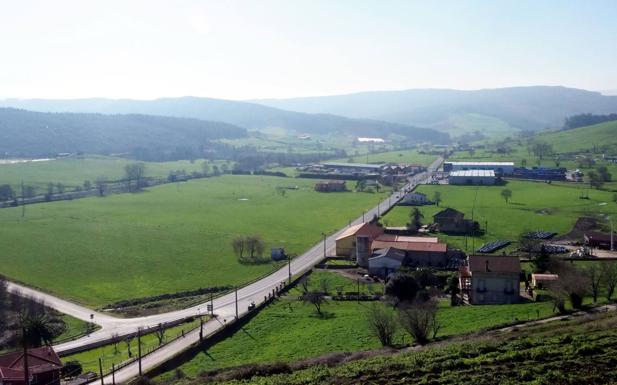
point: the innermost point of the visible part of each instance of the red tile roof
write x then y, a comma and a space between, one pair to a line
40, 360
494, 263
363, 229
411, 246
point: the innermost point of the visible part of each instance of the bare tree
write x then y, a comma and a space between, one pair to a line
316, 299
115, 338
419, 319
572, 285
100, 183
506, 194
134, 172
238, 245
609, 277
594, 277
160, 334
255, 246
382, 323
324, 285
128, 341
437, 198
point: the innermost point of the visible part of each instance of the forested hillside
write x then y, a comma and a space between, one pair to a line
30, 134
248, 115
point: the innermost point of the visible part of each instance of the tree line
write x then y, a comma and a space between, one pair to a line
582, 120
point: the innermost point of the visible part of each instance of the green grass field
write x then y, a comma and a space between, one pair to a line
74, 171
116, 354
289, 330
169, 238
533, 206
398, 156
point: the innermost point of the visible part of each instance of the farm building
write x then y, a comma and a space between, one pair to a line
599, 240
472, 177
453, 222
541, 173
418, 253
386, 261
414, 199
44, 367
353, 167
355, 242
500, 168
331, 186
490, 279
541, 281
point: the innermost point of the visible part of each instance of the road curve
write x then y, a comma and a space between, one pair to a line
224, 306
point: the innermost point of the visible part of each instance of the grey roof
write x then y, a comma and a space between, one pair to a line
481, 163
390, 252
353, 165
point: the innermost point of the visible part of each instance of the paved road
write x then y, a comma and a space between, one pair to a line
224, 306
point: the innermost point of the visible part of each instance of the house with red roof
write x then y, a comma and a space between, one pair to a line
44, 367
490, 279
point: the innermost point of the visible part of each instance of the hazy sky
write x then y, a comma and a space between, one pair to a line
283, 48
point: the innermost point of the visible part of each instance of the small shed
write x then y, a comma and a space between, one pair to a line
541, 281
278, 254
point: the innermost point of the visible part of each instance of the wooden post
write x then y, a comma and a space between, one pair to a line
25, 346
101, 371
201, 328
139, 349
289, 266
211, 304
113, 374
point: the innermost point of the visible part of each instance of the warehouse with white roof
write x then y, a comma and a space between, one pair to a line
500, 168
472, 177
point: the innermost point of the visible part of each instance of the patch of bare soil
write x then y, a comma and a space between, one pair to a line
582, 226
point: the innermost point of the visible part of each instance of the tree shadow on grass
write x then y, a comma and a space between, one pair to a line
325, 315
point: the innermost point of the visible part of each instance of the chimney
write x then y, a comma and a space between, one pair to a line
487, 269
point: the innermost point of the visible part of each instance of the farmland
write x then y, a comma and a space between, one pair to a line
533, 206
168, 238
74, 171
580, 351
289, 330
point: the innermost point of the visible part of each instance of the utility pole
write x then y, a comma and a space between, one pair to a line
201, 328
358, 297
25, 346
113, 373
364, 211
211, 304
378, 215
324, 244
139, 349
289, 267
101, 371
236, 291
611, 220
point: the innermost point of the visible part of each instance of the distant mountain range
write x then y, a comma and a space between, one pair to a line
247, 115
28, 133
454, 111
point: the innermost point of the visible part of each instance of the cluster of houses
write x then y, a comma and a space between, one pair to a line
483, 279
386, 173
43, 367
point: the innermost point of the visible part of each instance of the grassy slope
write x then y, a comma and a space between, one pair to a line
400, 156
74, 328
109, 355
169, 238
574, 352
560, 204
582, 138
74, 171
288, 330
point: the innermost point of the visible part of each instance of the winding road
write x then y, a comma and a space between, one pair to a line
224, 306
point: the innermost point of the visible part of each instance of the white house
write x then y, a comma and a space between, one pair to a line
414, 199
472, 177
385, 261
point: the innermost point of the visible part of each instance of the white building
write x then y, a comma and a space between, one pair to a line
503, 168
414, 199
472, 177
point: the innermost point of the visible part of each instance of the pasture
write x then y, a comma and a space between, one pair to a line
169, 238
289, 330
74, 171
533, 206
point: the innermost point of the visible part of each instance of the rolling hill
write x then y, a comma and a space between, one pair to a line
456, 111
248, 115
599, 137
29, 134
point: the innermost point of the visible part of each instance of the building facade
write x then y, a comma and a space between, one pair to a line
490, 280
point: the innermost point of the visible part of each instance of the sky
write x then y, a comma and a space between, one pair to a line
288, 48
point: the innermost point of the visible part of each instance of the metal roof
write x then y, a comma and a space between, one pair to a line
473, 173
481, 163
353, 165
